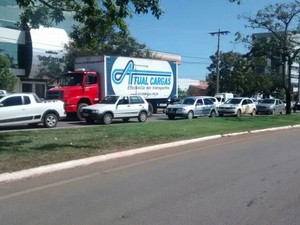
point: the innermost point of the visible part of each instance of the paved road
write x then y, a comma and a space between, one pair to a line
243, 180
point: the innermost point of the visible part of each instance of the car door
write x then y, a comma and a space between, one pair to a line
199, 107
123, 108
245, 106
91, 87
209, 105
12, 111
136, 105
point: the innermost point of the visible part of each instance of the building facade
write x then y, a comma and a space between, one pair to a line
23, 48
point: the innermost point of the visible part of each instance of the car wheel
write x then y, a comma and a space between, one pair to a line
107, 119
212, 114
253, 112
89, 120
190, 115
273, 112
238, 113
126, 119
50, 120
78, 110
171, 117
142, 117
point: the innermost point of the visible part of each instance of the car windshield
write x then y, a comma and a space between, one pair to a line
110, 100
234, 101
188, 101
71, 79
268, 101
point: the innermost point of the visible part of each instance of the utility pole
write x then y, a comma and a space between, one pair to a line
218, 55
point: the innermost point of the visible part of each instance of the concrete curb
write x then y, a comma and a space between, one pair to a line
33, 172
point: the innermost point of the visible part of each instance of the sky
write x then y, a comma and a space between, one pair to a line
185, 29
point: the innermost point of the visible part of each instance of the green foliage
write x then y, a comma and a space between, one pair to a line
50, 68
93, 19
7, 78
23, 150
115, 44
182, 93
281, 21
237, 74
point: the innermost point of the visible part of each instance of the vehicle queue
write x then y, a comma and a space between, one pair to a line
127, 107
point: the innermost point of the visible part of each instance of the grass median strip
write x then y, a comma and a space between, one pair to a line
23, 150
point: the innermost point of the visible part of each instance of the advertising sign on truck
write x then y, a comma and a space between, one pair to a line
155, 80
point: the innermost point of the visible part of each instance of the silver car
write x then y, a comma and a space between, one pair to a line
270, 106
190, 107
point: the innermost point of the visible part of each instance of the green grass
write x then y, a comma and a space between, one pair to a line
22, 150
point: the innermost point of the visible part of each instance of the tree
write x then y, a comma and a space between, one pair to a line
91, 17
7, 78
281, 21
113, 44
237, 75
51, 67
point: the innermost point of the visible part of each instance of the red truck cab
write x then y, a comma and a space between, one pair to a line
77, 89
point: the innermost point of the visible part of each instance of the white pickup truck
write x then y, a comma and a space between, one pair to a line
27, 108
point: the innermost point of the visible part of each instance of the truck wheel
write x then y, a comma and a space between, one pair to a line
190, 115
80, 105
50, 120
107, 119
142, 117
89, 120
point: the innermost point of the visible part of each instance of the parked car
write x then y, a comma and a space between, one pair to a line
27, 108
270, 106
214, 100
191, 107
116, 107
296, 106
237, 106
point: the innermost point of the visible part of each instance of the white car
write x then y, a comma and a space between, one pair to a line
191, 107
116, 107
27, 108
237, 107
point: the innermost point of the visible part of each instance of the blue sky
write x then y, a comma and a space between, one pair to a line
184, 29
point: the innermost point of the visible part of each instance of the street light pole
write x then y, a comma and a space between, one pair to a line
218, 57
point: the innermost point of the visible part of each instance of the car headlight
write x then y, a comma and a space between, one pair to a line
95, 111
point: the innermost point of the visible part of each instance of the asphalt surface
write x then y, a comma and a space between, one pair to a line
239, 179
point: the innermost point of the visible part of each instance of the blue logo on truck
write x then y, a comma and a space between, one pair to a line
141, 77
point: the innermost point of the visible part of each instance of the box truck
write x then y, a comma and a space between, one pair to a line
98, 76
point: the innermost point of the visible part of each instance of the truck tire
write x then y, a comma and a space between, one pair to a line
50, 120
80, 105
142, 117
107, 118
